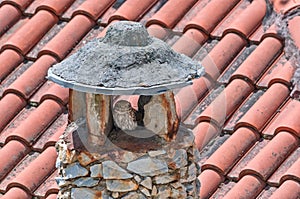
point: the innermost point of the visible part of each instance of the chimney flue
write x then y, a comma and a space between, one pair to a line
130, 140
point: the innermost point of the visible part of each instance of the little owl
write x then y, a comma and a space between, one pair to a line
124, 115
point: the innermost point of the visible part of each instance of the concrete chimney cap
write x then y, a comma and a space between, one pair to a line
126, 61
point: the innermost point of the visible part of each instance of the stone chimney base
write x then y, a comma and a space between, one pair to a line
164, 170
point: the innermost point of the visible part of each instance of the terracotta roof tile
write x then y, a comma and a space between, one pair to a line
32, 78
33, 54
204, 132
51, 196
208, 18
12, 30
226, 103
27, 36
33, 126
225, 77
9, 60
48, 187
231, 151
265, 107
234, 173
128, 10
93, 8
249, 20
260, 59
68, 37
57, 7
242, 112
186, 99
14, 151
285, 120
280, 72
277, 177
272, 155
236, 11
57, 93
7, 22
222, 54
15, 193
210, 181
51, 135
190, 42
294, 29
19, 168
67, 15
38, 170
247, 187
204, 103
13, 76
10, 105
284, 6
163, 18
21, 4
289, 190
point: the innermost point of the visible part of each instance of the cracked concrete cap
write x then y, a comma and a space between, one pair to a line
126, 61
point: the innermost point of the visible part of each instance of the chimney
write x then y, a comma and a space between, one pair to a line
124, 148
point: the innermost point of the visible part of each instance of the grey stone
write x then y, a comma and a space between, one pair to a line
145, 191
183, 172
191, 188
134, 195
166, 178
177, 185
147, 182
62, 195
164, 192
192, 172
179, 160
85, 193
137, 178
188, 139
196, 154
96, 170
115, 195
121, 185
156, 153
154, 191
148, 166
61, 182
75, 170
113, 171
86, 182
127, 52
127, 157
85, 159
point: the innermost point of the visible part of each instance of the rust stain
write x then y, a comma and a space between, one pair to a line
172, 126
102, 111
70, 117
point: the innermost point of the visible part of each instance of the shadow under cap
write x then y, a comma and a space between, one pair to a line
126, 61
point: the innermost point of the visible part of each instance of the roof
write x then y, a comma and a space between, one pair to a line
243, 113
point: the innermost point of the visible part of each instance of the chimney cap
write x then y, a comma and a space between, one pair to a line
127, 61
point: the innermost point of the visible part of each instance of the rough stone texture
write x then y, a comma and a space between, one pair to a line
84, 193
113, 171
96, 170
147, 183
168, 172
74, 171
86, 182
127, 52
121, 185
148, 166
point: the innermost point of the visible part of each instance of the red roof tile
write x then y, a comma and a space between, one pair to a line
242, 113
